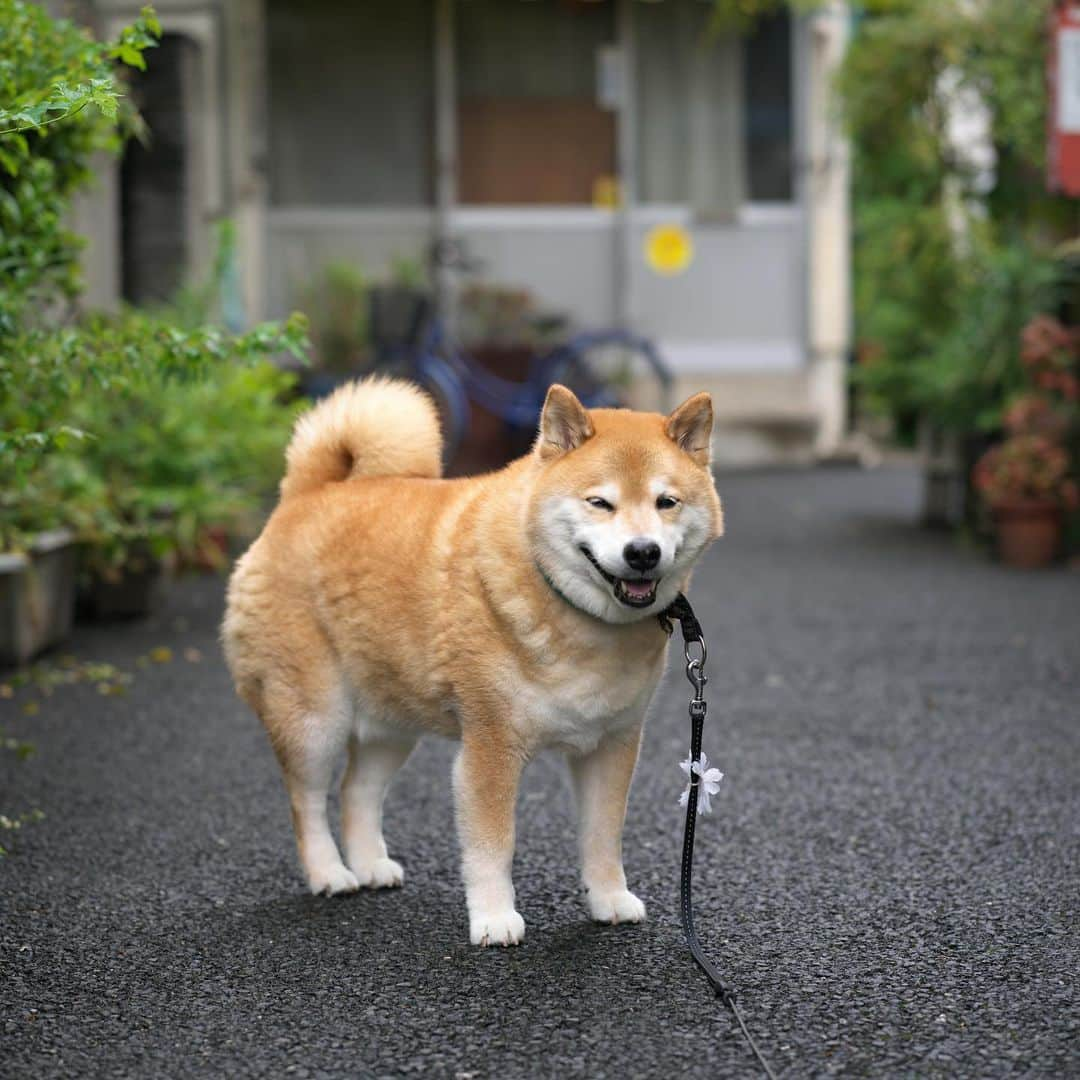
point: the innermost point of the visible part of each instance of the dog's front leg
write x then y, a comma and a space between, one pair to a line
486, 775
601, 783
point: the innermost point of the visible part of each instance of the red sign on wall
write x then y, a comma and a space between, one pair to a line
1063, 74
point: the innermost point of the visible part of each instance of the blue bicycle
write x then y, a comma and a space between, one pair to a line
412, 341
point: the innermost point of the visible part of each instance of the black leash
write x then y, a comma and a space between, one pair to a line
696, 654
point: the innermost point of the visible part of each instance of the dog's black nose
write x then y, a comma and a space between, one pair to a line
641, 554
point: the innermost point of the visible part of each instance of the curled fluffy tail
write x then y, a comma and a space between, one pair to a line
375, 427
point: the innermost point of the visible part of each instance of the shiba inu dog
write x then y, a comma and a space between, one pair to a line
515, 611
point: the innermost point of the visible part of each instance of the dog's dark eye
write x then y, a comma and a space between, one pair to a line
600, 504
666, 502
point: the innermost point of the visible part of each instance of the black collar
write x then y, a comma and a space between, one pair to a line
559, 593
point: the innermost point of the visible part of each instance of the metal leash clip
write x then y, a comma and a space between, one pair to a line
695, 671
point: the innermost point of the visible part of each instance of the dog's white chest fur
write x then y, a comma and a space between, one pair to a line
573, 708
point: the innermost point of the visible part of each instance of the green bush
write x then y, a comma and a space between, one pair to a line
139, 430
940, 330
337, 304
60, 102
154, 433
946, 272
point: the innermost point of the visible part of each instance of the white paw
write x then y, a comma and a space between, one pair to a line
500, 928
618, 906
379, 874
331, 880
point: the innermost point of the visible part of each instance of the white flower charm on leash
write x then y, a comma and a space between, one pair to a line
708, 782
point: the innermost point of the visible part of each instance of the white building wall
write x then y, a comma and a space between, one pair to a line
767, 295
828, 203
737, 308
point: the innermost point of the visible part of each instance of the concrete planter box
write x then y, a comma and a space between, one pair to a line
37, 597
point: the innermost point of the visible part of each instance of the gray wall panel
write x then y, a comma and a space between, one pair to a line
351, 102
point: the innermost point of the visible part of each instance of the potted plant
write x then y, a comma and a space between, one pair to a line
503, 332
1025, 482
1048, 350
108, 428
37, 543
1039, 414
188, 440
37, 551
62, 103
337, 304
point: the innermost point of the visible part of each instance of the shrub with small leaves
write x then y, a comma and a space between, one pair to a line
133, 432
61, 100
954, 250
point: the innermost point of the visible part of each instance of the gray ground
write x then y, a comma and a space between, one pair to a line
891, 876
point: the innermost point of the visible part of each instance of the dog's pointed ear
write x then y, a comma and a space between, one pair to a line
564, 423
690, 427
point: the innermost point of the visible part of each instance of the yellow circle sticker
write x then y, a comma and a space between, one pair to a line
668, 249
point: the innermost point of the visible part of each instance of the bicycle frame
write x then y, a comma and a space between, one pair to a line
519, 403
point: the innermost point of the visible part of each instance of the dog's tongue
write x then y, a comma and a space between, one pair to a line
638, 590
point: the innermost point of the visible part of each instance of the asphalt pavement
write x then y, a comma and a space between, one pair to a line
891, 875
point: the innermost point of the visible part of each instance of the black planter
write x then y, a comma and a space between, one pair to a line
137, 590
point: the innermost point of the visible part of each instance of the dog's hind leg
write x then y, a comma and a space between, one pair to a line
309, 751
372, 765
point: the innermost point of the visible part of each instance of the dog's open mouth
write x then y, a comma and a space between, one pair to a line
633, 592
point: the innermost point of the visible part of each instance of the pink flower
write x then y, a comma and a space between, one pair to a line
1024, 467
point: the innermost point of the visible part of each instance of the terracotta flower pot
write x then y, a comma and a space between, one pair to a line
1029, 533
488, 442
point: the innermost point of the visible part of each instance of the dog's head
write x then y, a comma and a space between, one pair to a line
623, 505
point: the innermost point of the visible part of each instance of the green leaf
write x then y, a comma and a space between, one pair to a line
129, 55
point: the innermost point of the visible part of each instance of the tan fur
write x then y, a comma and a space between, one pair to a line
381, 603
357, 431
690, 427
